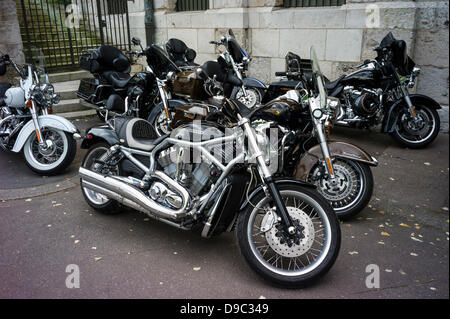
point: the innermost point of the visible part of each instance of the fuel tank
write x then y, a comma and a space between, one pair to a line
276, 89
368, 78
284, 112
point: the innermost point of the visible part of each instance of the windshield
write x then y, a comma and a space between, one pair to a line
37, 61
234, 48
318, 77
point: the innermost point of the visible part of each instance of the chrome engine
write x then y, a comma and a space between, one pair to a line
194, 175
361, 102
10, 124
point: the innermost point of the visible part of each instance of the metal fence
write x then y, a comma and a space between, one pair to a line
64, 29
313, 3
192, 5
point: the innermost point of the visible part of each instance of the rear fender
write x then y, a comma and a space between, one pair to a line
99, 134
337, 150
249, 83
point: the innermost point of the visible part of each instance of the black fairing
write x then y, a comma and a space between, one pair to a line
398, 51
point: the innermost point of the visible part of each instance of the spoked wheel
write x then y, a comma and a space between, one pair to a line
96, 200
55, 155
289, 260
252, 98
352, 189
157, 118
417, 132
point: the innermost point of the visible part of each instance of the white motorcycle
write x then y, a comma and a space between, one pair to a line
26, 122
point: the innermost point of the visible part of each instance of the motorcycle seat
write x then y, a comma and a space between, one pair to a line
136, 133
330, 86
180, 54
117, 79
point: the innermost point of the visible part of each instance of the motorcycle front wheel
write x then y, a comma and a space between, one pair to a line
419, 132
57, 154
266, 247
352, 189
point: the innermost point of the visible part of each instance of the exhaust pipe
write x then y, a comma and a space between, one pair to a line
131, 196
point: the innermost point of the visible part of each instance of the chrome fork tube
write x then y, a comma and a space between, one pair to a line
267, 176
34, 117
324, 148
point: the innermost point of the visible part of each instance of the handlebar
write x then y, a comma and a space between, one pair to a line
287, 73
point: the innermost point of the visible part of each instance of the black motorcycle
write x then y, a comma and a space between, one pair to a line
377, 93
111, 70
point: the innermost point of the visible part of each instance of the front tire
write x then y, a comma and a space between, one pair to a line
418, 134
58, 154
305, 261
353, 190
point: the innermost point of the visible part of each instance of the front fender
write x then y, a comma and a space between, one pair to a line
282, 181
390, 118
249, 83
50, 121
337, 150
173, 104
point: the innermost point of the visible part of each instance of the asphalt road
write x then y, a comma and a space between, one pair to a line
404, 231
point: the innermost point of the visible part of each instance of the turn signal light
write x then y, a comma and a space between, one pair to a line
28, 104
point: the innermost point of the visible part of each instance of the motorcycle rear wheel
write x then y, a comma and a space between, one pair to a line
99, 202
274, 260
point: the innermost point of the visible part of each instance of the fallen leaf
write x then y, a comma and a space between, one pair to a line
432, 288
381, 212
445, 208
261, 297
414, 254
94, 248
197, 268
405, 225
388, 270
97, 258
392, 179
417, 239
353, 253
427, 163
402, 272
76, 241
56, 205
28, 200
385, 234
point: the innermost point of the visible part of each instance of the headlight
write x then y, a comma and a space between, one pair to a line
48, 91
317, 113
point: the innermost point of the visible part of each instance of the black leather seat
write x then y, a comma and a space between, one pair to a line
117, 79
330, 86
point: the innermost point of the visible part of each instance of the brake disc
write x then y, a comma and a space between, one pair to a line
295, 250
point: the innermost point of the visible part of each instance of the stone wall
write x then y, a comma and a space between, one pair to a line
342, 36
11, 42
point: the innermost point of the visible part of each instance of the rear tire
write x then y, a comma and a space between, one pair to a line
328, 230
99, 202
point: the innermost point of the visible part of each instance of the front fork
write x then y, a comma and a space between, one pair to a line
37, 129
267, 177
408, 101
164, 99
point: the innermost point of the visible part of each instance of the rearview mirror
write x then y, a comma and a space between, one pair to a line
136, 41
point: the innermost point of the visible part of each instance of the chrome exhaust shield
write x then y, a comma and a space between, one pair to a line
131, 196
